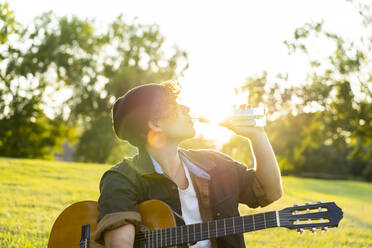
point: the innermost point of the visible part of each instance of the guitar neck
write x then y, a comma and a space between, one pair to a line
209, 230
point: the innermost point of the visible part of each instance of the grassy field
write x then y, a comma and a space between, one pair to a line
34, 192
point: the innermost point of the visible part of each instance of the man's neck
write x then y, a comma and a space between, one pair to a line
168, 158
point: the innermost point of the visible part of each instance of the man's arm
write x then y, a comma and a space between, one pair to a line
267, 169
122, 237
118, 211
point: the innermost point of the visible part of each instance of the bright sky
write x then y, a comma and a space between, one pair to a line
226, 41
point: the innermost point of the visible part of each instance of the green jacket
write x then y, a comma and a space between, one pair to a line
135, 180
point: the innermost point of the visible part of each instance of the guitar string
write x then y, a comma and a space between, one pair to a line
171, 241
203, 223
172, 238
270, 221
157, 231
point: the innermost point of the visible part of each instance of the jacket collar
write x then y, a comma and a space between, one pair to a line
199, 158
143, 165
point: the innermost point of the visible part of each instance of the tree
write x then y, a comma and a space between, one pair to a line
323, 125
137, 59
25, 130
9, 25
341, 86
239, 149
66, 67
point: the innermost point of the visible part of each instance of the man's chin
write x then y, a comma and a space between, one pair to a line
187, 136
192, 133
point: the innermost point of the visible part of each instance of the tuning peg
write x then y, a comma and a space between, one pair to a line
313, 230
300, 230
325, 229
297, 204
321, 201
309, 203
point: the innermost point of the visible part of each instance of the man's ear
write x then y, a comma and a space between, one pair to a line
154, 125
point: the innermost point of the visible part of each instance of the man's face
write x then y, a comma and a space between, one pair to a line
177, 124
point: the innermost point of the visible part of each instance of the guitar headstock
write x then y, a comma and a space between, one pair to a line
311, 216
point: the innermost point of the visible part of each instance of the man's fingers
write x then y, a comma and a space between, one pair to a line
243, 118
247, 123
235, 123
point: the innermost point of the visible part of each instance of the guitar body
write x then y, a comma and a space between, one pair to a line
156, 214
66, 231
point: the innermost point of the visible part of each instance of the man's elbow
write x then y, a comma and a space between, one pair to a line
275, 195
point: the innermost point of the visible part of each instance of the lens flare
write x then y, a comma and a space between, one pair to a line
156, 139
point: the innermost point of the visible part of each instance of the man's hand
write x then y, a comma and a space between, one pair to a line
243, 126
122, 237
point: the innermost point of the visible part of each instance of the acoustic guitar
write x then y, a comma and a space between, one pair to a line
163, 232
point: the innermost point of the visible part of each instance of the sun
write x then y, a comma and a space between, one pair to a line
214, 102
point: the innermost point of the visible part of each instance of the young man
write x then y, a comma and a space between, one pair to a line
200, 185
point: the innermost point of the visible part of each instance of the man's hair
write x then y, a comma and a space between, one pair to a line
132, 111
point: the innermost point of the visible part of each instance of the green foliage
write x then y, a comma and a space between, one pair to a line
8, 24
342, 89
66, 59
35, 136
99, 68
121, 149
25, 130
325, 124
239, 149
101, 145
97, 140
34, 192
367, 172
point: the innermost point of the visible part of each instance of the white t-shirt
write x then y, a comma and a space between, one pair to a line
188, 199
190, 208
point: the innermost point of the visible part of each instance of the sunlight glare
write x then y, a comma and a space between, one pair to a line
214, 102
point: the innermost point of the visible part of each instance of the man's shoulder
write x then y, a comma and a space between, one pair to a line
124, 168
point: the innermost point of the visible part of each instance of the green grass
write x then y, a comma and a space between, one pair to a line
34, 192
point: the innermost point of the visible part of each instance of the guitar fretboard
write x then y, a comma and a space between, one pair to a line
209, 230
